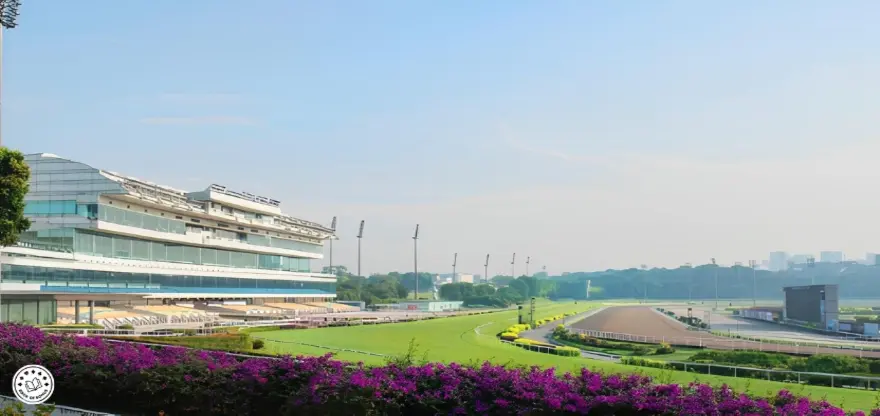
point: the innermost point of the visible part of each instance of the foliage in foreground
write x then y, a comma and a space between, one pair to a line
14, 175
134, 379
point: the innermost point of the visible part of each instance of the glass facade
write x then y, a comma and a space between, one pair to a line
53, 277
136, 219
108, 245
29, 311
114, 246
49, 208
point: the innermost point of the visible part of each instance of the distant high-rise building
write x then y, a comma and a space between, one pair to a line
778, 261
831, 256
799, 259
463, 278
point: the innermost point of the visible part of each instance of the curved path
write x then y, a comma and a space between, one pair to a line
650, 326
543, 334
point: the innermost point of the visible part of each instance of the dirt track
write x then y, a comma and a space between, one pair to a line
652, 327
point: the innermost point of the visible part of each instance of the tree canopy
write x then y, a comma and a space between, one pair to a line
14, 175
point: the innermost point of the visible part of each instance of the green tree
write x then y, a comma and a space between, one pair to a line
14, 175
521, 287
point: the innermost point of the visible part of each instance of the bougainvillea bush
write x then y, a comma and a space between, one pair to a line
134, 379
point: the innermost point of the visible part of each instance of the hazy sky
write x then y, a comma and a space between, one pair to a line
585, 134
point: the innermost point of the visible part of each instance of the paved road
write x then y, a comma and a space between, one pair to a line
652, 327
543, 334
727, 322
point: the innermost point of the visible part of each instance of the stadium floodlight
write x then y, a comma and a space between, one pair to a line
9, 12
528, 260
332, 237
486, 270
754, 264
454, 263
8, 16
513, 266
716, 282
416, 260
360, 236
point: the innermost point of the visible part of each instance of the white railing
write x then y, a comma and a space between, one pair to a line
799, 377
723, 343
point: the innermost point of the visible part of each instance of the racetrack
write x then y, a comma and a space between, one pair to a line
650, 326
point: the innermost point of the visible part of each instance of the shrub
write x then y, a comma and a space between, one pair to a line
640, 350
568, 351
644, 362
178, 381
258, 344
664, 348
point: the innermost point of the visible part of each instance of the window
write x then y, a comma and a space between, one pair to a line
50, 208
159, 282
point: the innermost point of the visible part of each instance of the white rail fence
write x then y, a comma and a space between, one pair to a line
791, 376
718, 342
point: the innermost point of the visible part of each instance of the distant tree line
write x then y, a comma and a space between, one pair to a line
737, 282
378, 288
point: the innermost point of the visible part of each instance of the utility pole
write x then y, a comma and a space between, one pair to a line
754, 264
332, 237
716, 282
513, 266
528, 259
454, 262
8, 14
416, 259
486, 270
811, 264
360, 237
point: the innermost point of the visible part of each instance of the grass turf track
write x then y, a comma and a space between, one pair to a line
455, 340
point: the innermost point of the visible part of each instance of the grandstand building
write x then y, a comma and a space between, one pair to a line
99, 239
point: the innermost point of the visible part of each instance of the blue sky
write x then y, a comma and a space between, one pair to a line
587, 134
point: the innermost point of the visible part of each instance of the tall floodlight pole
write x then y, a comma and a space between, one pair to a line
8, 14
486, 270
416, 259
716, 282
528, 260
332, 237
811, 263
454, 262
360, 237
754, 264
513, 266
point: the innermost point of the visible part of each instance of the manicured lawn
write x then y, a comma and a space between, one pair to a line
457, 340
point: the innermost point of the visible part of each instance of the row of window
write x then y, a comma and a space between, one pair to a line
46, 208
61, 277
146, 221
136, 219
114, 246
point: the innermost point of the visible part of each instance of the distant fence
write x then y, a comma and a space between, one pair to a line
721, 343
786, 376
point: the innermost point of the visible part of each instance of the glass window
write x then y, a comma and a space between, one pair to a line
209, 256
158, 251
140, 250
122, 247
174, 253
192, 255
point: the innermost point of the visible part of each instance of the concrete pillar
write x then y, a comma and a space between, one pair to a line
91, 312
76, 311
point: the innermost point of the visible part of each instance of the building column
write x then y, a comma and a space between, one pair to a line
76, 311
91, 312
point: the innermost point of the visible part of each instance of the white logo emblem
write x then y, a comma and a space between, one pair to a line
33, 384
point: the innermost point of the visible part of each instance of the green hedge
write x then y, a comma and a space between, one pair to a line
547, 348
